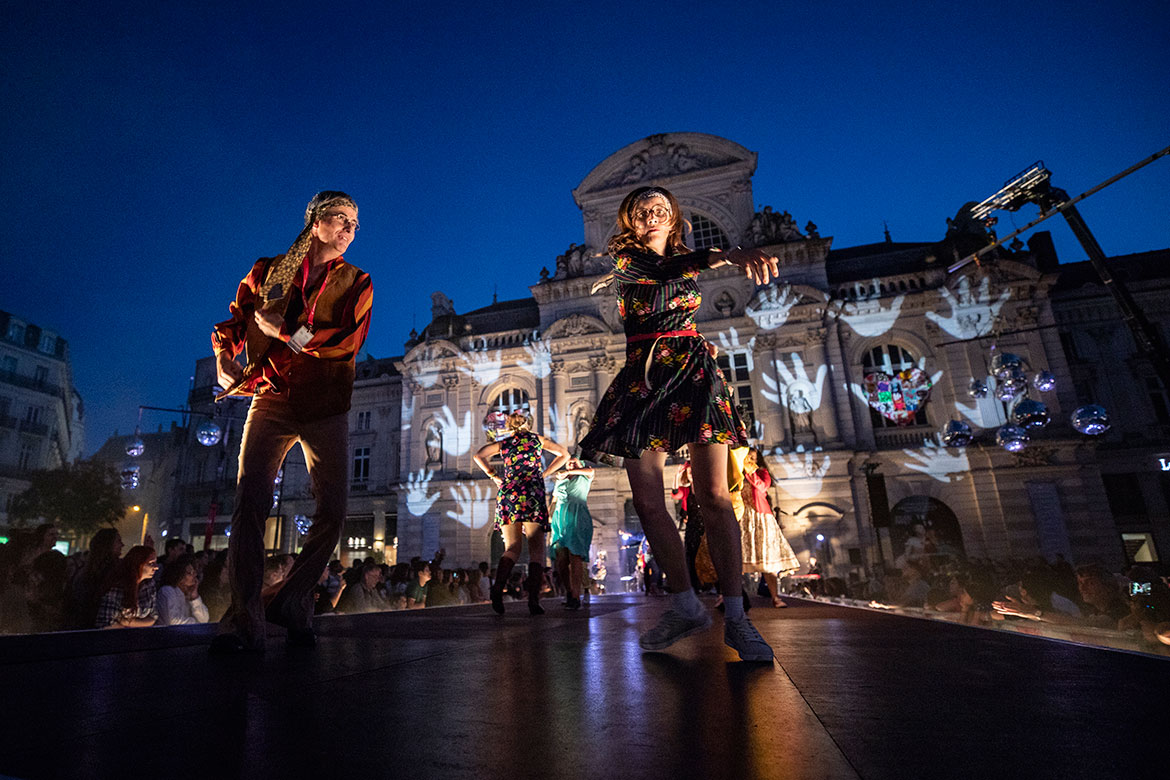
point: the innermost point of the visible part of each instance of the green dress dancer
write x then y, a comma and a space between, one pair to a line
572, 528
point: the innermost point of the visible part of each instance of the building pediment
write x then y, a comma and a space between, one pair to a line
576, 325
660, 158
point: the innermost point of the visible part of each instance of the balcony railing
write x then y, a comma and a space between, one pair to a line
901, 438
31, 383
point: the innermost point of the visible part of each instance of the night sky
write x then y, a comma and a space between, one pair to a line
150, 152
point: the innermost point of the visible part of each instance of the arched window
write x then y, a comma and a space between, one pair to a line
510, 400
890, 359
706, 234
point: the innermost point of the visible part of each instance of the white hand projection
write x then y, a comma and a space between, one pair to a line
729, 341
783, 390
407, 409
426, 369
472, 509
972, 314
483, 367
539, 363
418, 503
803, 477
771, 306
937, 461
868, 319
456, 437
556, 431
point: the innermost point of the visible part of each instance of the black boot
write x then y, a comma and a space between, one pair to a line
534, 584
503, 572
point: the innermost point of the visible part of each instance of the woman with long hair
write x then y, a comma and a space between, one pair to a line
670, 393
128, 600
765, 550
521, 507
572, 528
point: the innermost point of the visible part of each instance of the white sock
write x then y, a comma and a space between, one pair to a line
686, 602
733, 606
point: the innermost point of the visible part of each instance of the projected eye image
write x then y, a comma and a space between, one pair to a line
472, 505
972, 313
771, 306
802, 475
937, 461
796, 388
483, 367
418, 501
868, 317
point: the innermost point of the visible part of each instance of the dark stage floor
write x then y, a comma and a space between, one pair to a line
460, 693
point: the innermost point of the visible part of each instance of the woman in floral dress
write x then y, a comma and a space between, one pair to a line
521, 507
670, 393
765, 550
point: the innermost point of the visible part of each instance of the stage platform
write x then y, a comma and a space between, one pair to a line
459, 693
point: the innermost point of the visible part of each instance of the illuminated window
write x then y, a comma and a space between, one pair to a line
706, 234
890, 359
737, 368
511, 400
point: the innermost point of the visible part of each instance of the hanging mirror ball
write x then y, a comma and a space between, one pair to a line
275, 497
1090, 419
130, 476
208, 433
136, 447
956, 433
302, 523
1011, 437
227, 531
1007, 391
977, 388
1030, 415
279, 477
1002, 364
1044, 381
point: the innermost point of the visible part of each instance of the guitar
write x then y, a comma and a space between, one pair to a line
274, 292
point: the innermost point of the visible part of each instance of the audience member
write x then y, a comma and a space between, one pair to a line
178, 598
128, 599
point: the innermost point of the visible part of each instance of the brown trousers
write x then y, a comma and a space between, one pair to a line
270, 432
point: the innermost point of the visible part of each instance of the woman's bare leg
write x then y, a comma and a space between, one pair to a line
647, 485
709, 471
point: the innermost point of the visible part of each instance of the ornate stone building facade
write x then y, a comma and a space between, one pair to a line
851, 483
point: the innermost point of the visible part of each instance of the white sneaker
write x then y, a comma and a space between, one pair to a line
742, 637
672, 627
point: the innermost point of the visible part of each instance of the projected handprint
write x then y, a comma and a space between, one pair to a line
456, 437
418, 503
558, 428
407, 409
482, 367
425, 370
729, 341
539, 362
771, 306
972, 314
869, 318
803, 476
473, 508
795, 388
937, 461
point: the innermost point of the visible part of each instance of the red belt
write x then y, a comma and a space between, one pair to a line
660, 335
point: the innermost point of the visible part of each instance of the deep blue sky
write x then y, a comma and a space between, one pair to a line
151, 151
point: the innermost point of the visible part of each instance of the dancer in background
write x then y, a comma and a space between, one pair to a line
670, 393
521, 507
572, 528
765, 550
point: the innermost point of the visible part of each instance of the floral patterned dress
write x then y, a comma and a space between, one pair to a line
521, 496
670, 391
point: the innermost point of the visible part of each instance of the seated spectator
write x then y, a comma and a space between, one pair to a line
174, 549
83, 591
1038, 599
128, 600
476, 593
1100, 592
46, 592
365, 596
440, 593
416, 591
178, 598
214, 588
915, 586
329, 589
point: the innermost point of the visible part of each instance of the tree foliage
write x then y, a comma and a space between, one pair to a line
80, 497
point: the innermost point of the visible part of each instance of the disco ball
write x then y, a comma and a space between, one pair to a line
136, 447
956, 433
1011, 437
279, 477
227, 531
302, 523
1044, 381
208, 434
1090, 419
977, 388
1030, 415
130, 476
1002, 364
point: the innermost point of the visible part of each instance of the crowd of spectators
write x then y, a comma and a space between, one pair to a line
983, 592
43, 590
